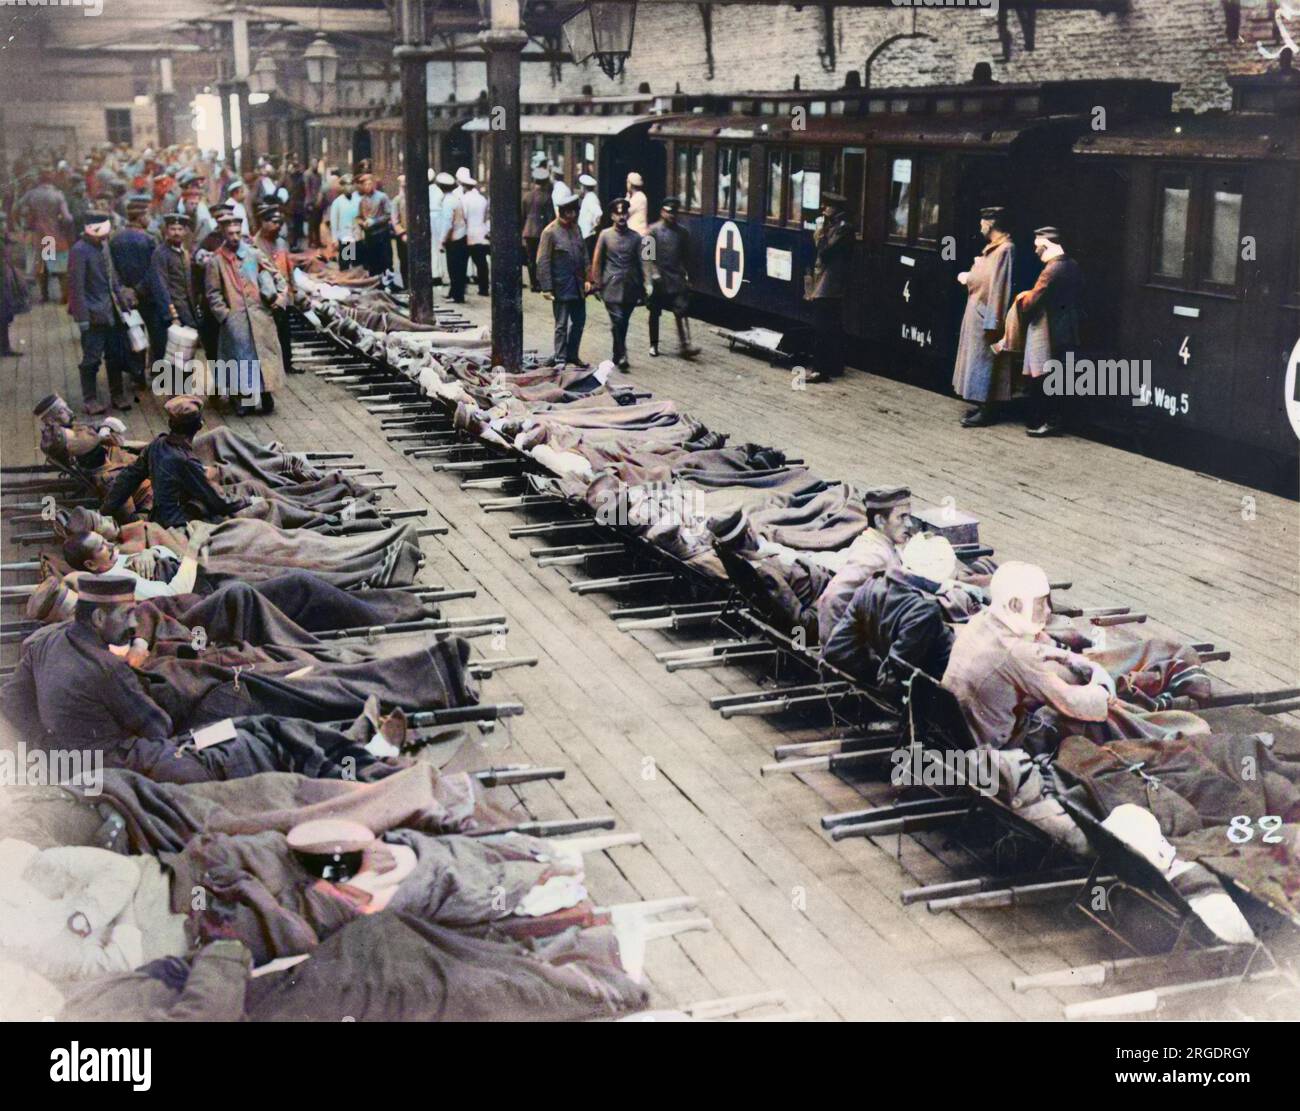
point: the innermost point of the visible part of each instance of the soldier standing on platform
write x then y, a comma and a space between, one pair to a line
833, 240
538, 213
981, 375
616, 273
562, 269
96, 301
668, 276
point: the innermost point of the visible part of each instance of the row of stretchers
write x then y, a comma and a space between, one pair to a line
278, 858
636, 480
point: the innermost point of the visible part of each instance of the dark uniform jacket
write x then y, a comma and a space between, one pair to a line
895, 615
670, 263
173, 287
538, 211
562, 261
616, 268
179, 485
834, 244
69, 687
132, 252
92, 295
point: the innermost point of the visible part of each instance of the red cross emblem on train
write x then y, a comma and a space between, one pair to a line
729, 259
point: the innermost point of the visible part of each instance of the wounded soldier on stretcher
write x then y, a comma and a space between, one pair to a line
92, 682
244, 549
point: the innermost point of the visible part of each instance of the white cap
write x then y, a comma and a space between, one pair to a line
465, 177
444, 178
541, 173
931, 557
587, 180
430, 175
562, 195
634, 178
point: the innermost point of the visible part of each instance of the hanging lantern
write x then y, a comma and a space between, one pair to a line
322, 61
603, 31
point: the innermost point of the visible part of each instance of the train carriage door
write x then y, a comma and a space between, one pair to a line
914, 284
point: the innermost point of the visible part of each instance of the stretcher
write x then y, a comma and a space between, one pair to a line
1035, 871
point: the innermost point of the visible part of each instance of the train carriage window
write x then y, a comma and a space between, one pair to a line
927, 202
690, 176
775, 185
733, 181
1175, 203
900, 198
853, 183
1225, 229
805, 188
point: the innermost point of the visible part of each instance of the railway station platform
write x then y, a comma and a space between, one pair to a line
792, 911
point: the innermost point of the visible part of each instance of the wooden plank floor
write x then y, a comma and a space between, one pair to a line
792, 910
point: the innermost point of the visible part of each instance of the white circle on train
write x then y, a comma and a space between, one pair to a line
1291, 396
729, 259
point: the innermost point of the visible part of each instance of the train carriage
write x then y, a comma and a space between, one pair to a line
916, 166
606, 137
1211, 281
449, 146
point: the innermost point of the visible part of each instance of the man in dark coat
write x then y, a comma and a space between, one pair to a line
833, 241
562, 271
895, 623
96, 301
181, 490
70, 688
616, 272
538, 214
668, 270
175, 296
131, 250
1050, 314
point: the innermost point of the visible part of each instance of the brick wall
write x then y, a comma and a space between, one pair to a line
766, 48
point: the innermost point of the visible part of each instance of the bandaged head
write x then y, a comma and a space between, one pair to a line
1013, 590
931, 557
1139, 829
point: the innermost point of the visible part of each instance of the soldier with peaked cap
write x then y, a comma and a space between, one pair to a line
668, 275
616, 273
982, 375
73, 685
97, 300
242, 288
876, 549
181, 490
175, 295
131, 249
270, 223
833, 241
538, 214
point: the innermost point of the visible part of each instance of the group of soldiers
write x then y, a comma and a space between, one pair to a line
628, 263
132, 266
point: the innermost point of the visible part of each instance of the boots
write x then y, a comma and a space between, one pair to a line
689, 350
